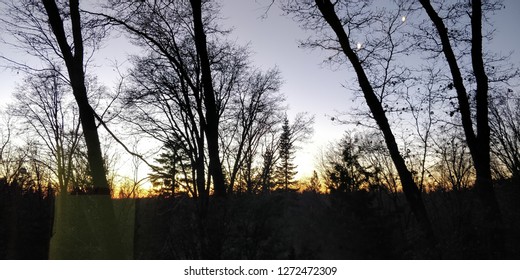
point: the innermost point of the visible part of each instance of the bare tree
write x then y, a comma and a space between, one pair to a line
453, 170
158, 104
183, 34
42, 105
5, 133
461, 48
505, 127
424, 101
255, 108
60, 34
369, 39
57, 34
74, 61
212, 119
11, 160
245, 98
14, 162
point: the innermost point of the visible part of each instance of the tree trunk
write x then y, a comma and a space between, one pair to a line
103, 222
74, 63
484, 183
410, 189
479, 144
212, 119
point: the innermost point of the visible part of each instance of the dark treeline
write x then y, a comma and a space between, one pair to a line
26, 217
308, 225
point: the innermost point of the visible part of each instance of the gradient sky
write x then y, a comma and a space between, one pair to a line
308, 85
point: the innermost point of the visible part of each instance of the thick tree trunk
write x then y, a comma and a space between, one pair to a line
484, 183
479, 144
201, 179
212, 119
94, 155
74, 63
103, 226
410, 189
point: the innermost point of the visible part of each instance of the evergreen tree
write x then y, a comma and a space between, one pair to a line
346, 174
267, 167
286, 169
314, 184
171, 170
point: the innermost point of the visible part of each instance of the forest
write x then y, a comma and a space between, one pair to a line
428, 167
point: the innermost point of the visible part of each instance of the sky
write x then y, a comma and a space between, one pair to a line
309, 86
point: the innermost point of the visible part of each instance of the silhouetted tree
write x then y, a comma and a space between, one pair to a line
286, 170
12, 157
21, 164
255, 108
314, 184
505, 127
5, 134
453, 169
158, 104
191, 51
212, 114
374, 64
172, 171
266, 176
347, 169
187, 88
43, 107
288, 135
60, 34
462, 29
73, 57
426, 106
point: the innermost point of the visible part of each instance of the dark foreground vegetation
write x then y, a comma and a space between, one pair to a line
280, 225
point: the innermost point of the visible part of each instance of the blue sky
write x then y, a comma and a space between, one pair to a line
308, 85
311, 87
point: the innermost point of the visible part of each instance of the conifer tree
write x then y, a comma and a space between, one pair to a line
286, 169
314, 184
266, 176
172, 169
